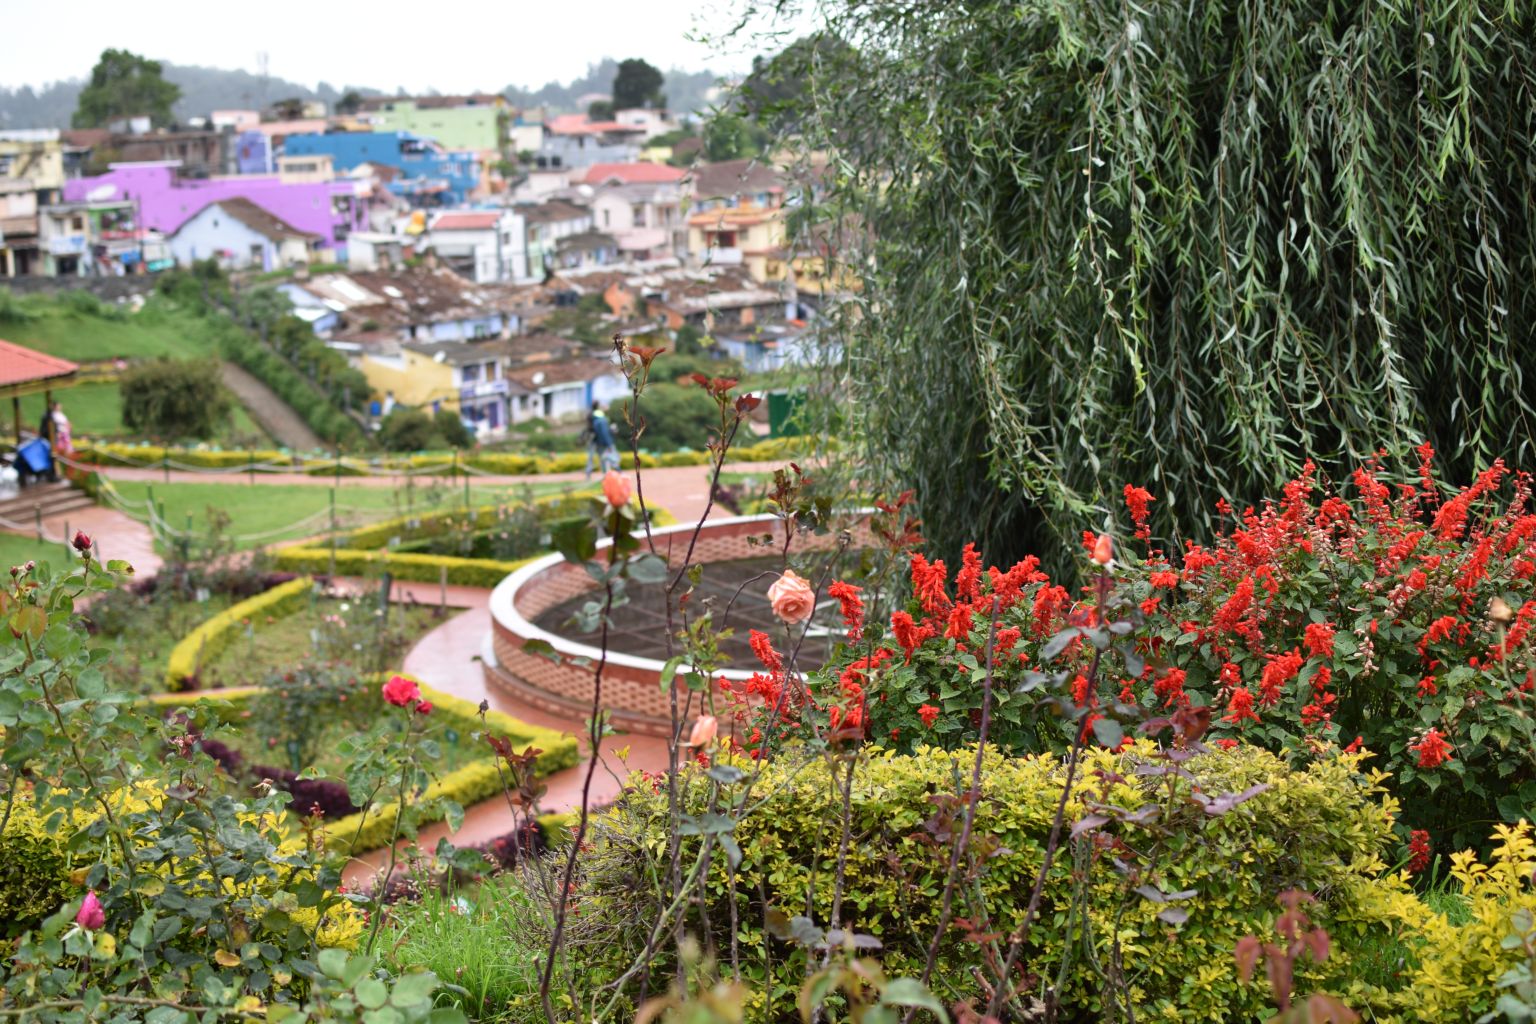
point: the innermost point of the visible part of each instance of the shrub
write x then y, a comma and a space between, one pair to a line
470, 784
468, 572
34, 868
675, 415
452, 429
172, 399
210, 639
410, 430
1321, 828
1317, 620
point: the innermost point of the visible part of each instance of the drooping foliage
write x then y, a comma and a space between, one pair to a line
1183, 245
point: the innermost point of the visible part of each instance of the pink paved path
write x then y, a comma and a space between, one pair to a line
681, 490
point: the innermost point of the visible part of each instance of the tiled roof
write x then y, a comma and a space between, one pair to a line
634, 174
20, 365
553, 210
543, 375
259, 220
734, 177
580, 124
469, 220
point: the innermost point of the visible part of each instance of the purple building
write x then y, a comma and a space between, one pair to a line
166, 201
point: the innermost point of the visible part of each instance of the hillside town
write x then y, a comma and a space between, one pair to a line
430, 238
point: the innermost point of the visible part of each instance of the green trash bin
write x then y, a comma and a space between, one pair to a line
784, 408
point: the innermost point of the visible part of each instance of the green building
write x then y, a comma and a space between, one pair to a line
456, 122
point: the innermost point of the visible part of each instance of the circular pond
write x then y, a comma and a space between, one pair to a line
542, 601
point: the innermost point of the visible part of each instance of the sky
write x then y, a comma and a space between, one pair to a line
452, 47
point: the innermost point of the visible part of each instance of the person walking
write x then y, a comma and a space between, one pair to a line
603, 442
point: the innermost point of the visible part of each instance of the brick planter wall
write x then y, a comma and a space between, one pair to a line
631, 685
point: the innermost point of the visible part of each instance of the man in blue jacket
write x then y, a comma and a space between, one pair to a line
600, 441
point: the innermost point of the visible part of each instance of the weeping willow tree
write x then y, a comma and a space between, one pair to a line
1186, 245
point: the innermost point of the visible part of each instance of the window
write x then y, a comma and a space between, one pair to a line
470, 372
490, 371
638, 213
77, 224
607, 218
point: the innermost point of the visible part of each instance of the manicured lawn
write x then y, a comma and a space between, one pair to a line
16, 549
140, 634
96, 410
295, 511
280, 644
156, 330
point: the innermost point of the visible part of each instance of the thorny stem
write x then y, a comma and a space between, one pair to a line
958, 852
562, 897
394, 838
1016, 943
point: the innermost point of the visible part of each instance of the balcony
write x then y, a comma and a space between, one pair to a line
723, 257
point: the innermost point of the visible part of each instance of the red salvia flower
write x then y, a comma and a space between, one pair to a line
1319, 638
1137, 499
1433, 750
1419, 850
1240, 707
852, 607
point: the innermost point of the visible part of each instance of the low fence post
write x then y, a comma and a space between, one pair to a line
333, 534
250, 466
165, 462
37, 512
442, 587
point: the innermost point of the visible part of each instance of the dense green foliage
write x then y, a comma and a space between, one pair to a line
675, 416
637, 83
124, 85
171, 400
1184, 246
1321, 828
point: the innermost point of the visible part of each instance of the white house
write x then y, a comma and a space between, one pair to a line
240, 234
639, 205
484, 245
652, 122
375, 250
563, 390
549, 223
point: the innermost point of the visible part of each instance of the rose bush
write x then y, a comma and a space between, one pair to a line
1394, 616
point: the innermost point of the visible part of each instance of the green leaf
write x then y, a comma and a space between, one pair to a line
371, 992
911, 992
413, 990
332, 963
647, 568
669, 671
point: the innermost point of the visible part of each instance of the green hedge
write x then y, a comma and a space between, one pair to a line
467, 572
1323, 827
500, 463
479, 780
209, 640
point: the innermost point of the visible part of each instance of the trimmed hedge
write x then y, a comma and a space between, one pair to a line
209, 640
360, 550
1323, 827
467, 572
467, 785
501, 463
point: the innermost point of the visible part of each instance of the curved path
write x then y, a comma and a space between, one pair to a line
448, 659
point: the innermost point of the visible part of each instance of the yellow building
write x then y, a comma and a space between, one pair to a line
416, 376
33, 156
748, 235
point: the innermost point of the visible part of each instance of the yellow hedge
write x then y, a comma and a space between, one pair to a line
479, 780
209, 640
1323, 827
465, 572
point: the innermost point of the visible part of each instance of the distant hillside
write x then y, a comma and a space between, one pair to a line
687, 92
205, 89
202, 90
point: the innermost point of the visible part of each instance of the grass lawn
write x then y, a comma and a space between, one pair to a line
266, 507
278, 645
140, 634
96, 410
156, 330
16, 549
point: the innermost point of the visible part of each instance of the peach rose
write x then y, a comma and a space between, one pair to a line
616, 489
704, 730
792, 598
1103, 549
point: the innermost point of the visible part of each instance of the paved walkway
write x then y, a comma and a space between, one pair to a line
116, 536
270, 412
681, 490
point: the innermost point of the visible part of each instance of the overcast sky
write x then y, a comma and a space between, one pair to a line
451, 45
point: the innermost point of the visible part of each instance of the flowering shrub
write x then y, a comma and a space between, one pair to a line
1396, 617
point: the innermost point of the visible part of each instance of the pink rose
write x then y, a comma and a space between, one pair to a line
424, 708
704, 730
401, 691
792, 598
616, 489
91, 916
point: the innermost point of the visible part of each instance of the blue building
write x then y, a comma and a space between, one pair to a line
429, 174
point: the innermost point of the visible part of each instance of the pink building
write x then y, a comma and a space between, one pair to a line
166, 201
